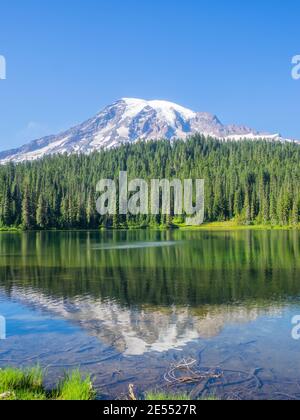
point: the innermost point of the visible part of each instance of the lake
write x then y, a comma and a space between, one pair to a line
155, 309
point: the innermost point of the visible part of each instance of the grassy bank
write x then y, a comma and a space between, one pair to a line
214, 226
232, 225
161, 396
27, 384
10, 229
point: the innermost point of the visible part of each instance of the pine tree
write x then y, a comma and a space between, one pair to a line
238, 203
247, 209
27, 215
90, 211
7, 208
295, 212
273, 210
42, 213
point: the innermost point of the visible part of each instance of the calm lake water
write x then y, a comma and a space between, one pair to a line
128, 307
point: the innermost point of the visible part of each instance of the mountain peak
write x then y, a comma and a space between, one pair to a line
164, 109
130, 120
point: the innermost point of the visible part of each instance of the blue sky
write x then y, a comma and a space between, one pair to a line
67, 59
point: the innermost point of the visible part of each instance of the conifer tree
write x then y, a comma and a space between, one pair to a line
27, 212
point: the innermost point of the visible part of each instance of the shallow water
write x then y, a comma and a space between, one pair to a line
127, 306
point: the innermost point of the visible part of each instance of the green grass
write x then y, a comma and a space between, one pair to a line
74, 387
16, 384
22, 385
161, 396
213, 226
233, 225
10, 229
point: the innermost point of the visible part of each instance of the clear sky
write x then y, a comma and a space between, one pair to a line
67, 59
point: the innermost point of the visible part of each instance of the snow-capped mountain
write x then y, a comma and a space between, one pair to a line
130, 120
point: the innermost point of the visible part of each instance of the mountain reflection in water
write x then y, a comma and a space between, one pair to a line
133, 331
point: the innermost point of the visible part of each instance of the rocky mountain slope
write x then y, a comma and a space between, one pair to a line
130, 120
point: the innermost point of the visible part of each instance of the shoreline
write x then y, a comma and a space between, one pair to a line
212, 226
232, 226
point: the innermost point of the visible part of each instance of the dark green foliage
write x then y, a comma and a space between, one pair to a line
253, 182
